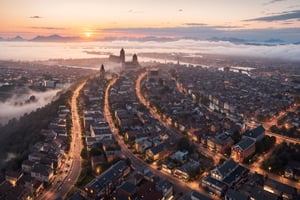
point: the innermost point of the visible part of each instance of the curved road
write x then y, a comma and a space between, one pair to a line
179, 186
70, 174
135, 161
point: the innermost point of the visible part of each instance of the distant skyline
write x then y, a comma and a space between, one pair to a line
201, 19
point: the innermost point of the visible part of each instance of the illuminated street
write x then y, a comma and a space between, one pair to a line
67, 180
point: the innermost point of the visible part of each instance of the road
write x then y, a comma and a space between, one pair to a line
191, 185
215, 156
255, 167
136, 162
281, 138
65, 182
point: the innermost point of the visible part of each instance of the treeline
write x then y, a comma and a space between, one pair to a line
282, 155
18, 135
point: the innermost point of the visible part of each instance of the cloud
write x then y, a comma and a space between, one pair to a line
192, 24
273, 1
295, 14
205, 32
47, 28
35, 17
195, 24
15, 106
135, 11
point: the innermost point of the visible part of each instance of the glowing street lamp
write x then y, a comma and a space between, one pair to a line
98, 170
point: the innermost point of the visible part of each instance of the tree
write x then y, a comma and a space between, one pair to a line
184, 144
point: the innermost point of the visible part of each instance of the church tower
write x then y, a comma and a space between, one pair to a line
122, 56
135, 60
102, 72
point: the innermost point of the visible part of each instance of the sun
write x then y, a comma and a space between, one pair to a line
88, 34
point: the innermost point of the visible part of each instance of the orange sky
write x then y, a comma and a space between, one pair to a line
90, 18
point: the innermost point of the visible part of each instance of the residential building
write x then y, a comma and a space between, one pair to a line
219, 143
42, 173
165, 187
242, 150
224, 176
280, 189
104, 184
256, 134
12, 177
193, 195
235, 195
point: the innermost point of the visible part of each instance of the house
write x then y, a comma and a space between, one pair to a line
101, 131
224, 170
131, 135
167, 166
180, 156
213, 185
193, 195
104, 184
165, 187
183, 172
13, 177
256, 134
255, 192
42, 173
126, 190
242, 150
235, 195
195, 134
280, 189
159, 152
113, 155
224, 176
142, 144
37, 156
88, 121
219, 143
90, 141
27, 166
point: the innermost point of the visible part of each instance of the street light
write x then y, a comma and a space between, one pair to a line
270, 168
98, 170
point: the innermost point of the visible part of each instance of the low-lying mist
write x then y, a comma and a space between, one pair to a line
18, 105
101, 49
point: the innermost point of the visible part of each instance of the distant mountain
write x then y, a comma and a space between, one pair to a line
17, 39
156, 39
140, 39
55, 38
227, 39
275, 40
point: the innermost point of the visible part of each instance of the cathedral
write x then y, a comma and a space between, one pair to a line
121, 59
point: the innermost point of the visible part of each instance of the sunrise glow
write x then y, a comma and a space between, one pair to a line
88, 34
133, 17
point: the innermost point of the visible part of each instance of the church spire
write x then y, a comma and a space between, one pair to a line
102, 71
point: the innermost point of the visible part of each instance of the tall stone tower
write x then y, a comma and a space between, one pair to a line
122, 56
102, 72
135, 61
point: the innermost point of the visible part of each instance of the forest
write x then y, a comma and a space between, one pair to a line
18, 135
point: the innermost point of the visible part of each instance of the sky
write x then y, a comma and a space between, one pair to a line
202, 19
